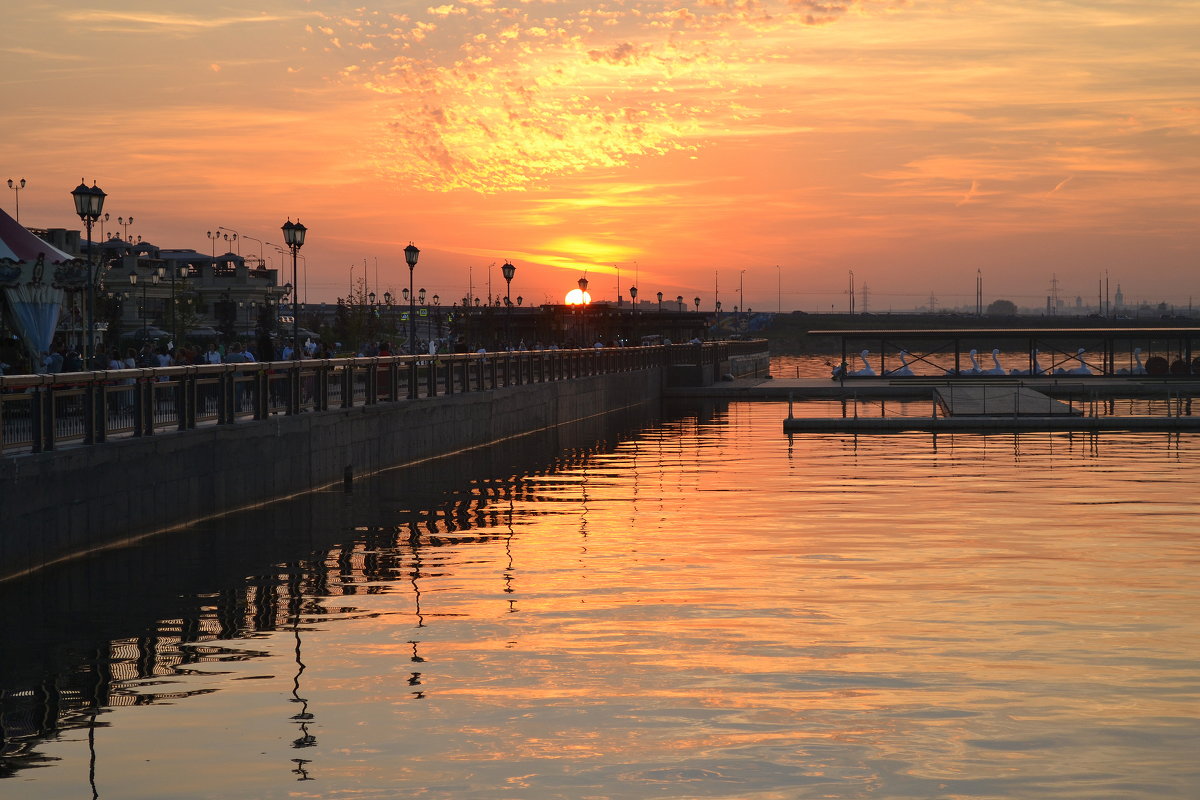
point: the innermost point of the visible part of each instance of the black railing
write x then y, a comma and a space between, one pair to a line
42, 412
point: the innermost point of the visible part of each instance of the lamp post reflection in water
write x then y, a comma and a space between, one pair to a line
414, 541
303, 717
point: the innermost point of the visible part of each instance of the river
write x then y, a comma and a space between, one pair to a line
689, 606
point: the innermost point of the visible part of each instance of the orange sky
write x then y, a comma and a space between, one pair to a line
682, 142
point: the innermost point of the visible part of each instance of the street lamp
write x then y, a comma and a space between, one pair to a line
679, 302
17, 186
89, 204
508, 270
182, 272
213, 236
410, 257
696, 300
154, 277
660, 301
293, 237
232, 236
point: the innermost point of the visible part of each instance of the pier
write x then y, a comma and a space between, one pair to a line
96, 460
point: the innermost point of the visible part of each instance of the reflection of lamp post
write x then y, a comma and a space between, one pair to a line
17, 186
293, 237
89, 204
410, 257
508, 270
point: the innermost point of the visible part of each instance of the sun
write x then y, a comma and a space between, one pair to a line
578, 297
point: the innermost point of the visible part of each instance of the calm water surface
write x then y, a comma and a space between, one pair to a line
700, 608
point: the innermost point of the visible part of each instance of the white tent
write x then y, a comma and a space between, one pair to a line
33, 275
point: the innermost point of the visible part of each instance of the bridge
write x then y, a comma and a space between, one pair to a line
102, 459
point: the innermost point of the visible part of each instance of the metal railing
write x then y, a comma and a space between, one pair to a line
43, 412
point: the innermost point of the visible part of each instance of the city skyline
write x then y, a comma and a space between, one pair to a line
680, 143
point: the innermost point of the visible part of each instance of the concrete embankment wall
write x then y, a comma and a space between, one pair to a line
62, 504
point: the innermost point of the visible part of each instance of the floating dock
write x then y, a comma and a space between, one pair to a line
999, 404
985, 409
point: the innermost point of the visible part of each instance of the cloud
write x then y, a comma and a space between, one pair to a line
488, 98
49, 55
147, 22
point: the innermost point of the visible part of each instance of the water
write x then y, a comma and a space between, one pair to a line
692, 607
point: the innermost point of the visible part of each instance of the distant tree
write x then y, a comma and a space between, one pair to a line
1002, 308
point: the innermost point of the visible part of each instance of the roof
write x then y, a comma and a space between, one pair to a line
18, 244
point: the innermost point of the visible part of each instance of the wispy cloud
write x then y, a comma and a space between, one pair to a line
117, 21
487, 97
47, 55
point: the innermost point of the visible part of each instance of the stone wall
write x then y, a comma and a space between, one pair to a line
62, 504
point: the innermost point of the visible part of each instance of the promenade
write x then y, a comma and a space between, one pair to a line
95, 461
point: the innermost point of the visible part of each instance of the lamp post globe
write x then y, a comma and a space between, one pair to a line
293, 237
89, 205
411, 252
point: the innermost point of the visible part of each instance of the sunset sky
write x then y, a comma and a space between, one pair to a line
680, 143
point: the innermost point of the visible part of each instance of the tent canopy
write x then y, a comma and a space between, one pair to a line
18, 244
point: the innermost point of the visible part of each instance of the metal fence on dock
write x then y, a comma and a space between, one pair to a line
43, 412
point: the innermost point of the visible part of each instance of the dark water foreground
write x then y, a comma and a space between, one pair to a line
692, 606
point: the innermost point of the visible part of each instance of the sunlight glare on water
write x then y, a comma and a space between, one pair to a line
707, 608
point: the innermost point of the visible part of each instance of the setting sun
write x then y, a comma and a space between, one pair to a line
578, 297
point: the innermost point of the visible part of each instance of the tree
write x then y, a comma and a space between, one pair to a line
1002, 308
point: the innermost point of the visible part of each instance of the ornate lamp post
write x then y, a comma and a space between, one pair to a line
660, 301
508, 270
154, 278
633, 299
696, 300
89, 204
17, 186
182, 272
293, 237
410, 257
679, 302
214, 237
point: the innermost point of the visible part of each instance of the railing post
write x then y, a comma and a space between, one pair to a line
37, 414
431, 377
347, 384
262, 405
146, 384
372, 387
224, 392
89, 412
101, 430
